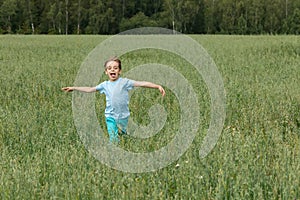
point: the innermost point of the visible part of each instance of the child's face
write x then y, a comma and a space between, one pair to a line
112, 70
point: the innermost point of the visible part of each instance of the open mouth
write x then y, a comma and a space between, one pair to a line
113, 75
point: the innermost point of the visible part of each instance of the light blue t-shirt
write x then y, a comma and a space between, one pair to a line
117, 98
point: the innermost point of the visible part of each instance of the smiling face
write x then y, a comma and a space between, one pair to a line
112, 70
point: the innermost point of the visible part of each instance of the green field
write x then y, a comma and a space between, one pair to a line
256, 157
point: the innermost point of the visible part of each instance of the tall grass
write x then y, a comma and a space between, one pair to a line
256, 157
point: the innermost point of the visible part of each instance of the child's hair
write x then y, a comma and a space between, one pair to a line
116, 59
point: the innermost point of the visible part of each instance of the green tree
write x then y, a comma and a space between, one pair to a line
272, 16
94, 20
242, 13
137, 21
199, 18
242, 25
59, 17
211, 16
79, 15
255, 16
29, 6
7, 11
128, 8
171, 10
51, 16
295, 22
187, 13
23, 19
229, 16
66, 17
111, 17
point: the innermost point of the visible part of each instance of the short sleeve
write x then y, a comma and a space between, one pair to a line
100, 87
129, 84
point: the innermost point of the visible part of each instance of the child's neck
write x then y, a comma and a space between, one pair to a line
110, 80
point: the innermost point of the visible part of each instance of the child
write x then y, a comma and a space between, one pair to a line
117, 99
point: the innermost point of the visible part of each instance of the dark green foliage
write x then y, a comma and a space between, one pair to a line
111, 17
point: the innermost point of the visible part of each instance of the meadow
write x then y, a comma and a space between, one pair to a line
256, 157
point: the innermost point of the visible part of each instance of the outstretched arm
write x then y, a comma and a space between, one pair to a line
149, 85
81, 89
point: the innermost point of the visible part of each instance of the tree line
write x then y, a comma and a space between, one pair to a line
114, 16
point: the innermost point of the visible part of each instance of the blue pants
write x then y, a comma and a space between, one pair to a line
113, 127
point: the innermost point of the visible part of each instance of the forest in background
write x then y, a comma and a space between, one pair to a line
186, 16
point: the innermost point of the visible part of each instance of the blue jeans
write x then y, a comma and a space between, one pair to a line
113, 127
